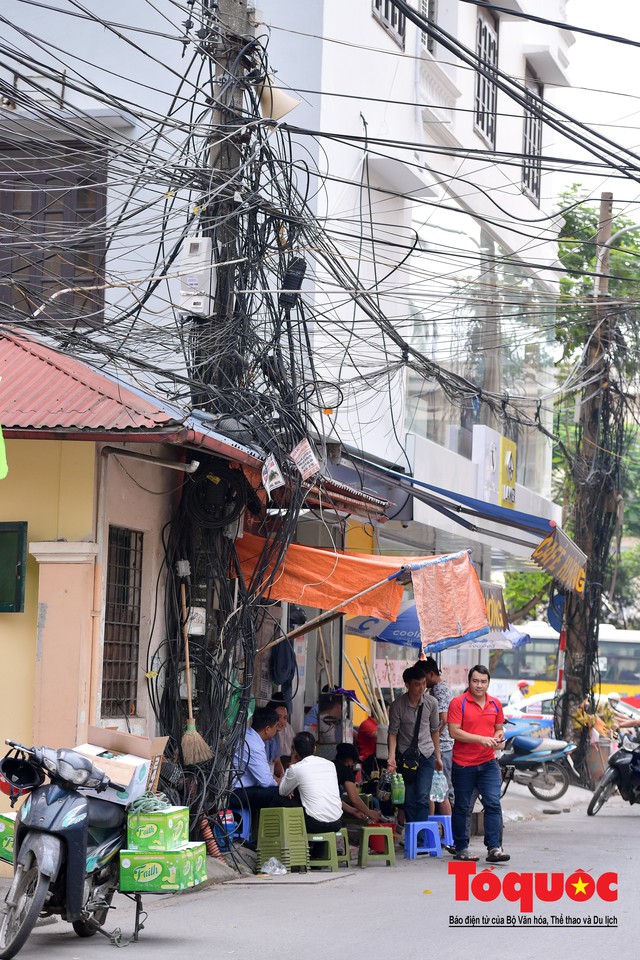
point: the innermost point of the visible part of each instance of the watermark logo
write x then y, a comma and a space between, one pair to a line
527, 890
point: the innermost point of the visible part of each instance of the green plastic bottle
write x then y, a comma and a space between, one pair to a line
397, 789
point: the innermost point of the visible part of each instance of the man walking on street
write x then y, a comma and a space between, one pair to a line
476, 723
442, 693
414, 718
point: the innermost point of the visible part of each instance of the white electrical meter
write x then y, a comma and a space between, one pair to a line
197, 276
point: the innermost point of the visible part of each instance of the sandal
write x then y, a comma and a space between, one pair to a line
465, 855
497, 855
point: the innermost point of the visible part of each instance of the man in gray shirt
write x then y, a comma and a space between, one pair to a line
403, 714
443, 695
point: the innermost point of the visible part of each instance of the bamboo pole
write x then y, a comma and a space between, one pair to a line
375, 685
373, 700
357, 680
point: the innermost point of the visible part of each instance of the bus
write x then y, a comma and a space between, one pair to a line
537, 662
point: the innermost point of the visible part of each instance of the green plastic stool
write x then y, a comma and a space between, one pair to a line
344, 857
282, 833
389, 855
329, 855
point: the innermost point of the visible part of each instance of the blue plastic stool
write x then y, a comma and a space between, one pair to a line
430, 845
243, 828
447, 832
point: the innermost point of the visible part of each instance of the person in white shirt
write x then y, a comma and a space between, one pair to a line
316, 782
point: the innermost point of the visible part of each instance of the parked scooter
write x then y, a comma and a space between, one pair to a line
537, 763
65, 847
623, 774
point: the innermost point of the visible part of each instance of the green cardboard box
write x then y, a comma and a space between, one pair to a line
162, 830
7, 827
157, 870
198, 853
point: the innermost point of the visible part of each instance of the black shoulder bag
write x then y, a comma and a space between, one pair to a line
407, 762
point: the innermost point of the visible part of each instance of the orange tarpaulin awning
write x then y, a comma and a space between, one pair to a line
325, 579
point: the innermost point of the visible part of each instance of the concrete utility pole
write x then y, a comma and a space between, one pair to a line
219, 338
597, 472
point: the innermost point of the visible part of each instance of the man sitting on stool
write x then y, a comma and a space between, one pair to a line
316, 783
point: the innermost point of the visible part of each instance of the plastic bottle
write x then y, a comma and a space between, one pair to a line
397, 789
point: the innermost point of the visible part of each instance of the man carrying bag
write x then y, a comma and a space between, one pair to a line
414, 743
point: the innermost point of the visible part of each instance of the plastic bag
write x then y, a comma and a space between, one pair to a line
274, 868
439, 787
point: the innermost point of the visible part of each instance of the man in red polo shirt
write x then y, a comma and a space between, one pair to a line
476, 723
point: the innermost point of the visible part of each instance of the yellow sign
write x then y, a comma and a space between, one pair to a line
507, 488
560, 557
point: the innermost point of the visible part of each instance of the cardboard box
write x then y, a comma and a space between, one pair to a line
161, 830
127, 759
7, 827
156, 870
198, 853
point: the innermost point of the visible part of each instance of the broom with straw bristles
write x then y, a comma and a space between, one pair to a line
194, 747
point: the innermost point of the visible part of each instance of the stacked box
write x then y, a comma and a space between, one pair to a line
7, 827
163, 870
161, 830
159, 857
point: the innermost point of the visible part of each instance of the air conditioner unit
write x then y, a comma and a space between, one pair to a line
197, 276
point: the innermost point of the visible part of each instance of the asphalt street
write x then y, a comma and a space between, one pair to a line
410, 911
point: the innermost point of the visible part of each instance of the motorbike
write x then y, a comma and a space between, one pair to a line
66, 845
537, 763
623, 774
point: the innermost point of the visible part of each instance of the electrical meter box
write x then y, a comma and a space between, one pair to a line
197, 276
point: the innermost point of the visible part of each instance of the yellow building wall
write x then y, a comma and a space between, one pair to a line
361, 539
51, 486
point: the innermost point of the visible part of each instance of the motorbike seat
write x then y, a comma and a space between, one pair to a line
102, 813
522, 744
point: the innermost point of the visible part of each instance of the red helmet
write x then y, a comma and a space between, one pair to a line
18, 776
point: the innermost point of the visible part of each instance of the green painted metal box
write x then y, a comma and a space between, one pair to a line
7, 827
162, 830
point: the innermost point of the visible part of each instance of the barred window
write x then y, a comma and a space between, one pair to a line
52, 208
429, 9
122, 623
532, 139
394, 22
486, 97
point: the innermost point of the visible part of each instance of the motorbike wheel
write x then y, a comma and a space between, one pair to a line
84, 928
551, 784
602, 792
19, 920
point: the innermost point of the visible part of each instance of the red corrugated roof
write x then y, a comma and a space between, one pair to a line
43, 389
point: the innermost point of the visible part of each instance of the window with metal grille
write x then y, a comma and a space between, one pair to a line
52, 209
389, 17
122, 623
429, 9
532, 138
486, 98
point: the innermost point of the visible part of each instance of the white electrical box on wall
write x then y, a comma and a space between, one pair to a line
197, 276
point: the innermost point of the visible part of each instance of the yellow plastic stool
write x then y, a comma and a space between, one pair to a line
364, 855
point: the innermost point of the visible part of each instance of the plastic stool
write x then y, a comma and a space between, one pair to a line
432, 844
344, 857
364, 855
445, 821
243, 825
329, 855
282, 833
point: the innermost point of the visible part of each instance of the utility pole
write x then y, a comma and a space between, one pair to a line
218, 339
597, 472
